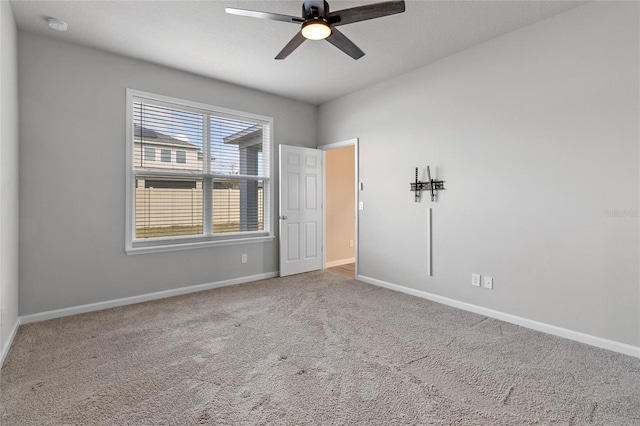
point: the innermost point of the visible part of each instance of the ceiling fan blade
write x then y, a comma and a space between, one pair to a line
264, 15
363, 13
341, 41
293, 44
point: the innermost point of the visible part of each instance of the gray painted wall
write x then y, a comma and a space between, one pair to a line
8, 172
72, 176
536, 134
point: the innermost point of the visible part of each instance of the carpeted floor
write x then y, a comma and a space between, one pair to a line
315, 348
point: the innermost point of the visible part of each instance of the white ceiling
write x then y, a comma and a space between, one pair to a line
199, 37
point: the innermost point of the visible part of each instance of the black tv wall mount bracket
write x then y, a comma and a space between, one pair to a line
431, 185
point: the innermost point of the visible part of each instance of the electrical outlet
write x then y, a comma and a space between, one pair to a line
475, 280
244, 258
350, 243
488, 283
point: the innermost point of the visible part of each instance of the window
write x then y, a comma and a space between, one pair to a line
218, 190
165, 155
149, 154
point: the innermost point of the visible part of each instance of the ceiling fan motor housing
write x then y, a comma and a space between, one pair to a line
312, 9
315, 25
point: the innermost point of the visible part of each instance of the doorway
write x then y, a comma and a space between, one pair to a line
340, 211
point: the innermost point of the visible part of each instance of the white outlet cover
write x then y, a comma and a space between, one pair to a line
488, 283
475, 280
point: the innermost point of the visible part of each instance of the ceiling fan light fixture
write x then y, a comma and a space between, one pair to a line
316, 29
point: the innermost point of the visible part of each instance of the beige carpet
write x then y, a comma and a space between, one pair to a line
310, 349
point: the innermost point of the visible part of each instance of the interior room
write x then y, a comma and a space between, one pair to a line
310, 212
340, 209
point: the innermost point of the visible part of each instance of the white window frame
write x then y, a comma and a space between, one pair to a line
163, 244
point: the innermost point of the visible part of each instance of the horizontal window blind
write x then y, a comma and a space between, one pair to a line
166, 130
237, 205
167, 208
236, 147
197, 173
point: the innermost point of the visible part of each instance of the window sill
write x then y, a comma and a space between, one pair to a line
196, 245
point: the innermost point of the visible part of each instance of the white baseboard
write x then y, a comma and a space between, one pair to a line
340, 262
599, 342
9, 342
74, 310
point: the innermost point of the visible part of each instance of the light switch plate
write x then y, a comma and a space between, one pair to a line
475, 280
488, 283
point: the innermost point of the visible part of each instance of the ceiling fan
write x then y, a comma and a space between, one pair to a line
318, 23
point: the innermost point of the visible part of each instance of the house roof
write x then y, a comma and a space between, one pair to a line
145, 134
248, 134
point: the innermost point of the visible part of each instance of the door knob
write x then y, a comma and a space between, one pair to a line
283, 217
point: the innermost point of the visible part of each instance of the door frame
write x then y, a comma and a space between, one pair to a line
355, 142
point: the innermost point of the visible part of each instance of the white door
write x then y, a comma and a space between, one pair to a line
300, 210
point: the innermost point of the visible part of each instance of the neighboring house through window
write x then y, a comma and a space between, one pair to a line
218, 189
